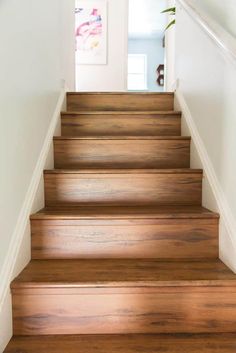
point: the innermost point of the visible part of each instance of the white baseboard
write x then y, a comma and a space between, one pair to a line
227, 220
14, 255
6, 321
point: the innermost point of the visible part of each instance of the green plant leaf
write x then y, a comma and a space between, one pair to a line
170, 24
171, 9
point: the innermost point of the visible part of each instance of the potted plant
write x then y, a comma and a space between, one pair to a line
172, 12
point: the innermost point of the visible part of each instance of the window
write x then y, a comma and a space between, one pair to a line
137, 72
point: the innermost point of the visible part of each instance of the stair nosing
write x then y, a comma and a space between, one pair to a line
128, 284
123, 138
120, 93
124, 171
204, 214
121, 112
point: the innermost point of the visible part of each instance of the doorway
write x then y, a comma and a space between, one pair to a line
146, 45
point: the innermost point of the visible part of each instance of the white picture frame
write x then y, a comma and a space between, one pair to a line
91, 32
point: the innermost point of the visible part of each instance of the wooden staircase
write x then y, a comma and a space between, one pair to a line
124, 257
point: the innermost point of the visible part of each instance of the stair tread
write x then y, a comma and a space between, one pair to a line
125, 212
124, 171
120, 93
122, 137
168, 343
122, 112
124, 273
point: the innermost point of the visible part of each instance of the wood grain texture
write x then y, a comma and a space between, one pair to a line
166, 311
73, 153
123, 272
171, 343
124, 212
121, 123
143, 187
124, 296
123, 245
119, 101
130, 238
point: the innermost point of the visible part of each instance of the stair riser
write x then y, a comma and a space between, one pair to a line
162, 239
120, 101
130, 125
122, 153
122, 189
111, 311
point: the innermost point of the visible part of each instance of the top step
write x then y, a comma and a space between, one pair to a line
84, 101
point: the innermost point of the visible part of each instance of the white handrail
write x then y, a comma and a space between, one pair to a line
221, 38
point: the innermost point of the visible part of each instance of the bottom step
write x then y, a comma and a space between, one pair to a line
216, 343
54, 297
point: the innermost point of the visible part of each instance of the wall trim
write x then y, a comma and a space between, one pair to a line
224, 41
23, 218
226, 214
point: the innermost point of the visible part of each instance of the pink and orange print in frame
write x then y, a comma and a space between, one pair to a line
91, 32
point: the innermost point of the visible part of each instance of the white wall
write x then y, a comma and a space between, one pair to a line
113, 76
67, 42
146, 18
224, 12
207, 86
154, 50
170, 53
35, 38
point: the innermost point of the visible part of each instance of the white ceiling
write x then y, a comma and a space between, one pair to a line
145, 18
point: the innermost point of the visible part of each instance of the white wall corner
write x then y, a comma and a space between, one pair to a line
170, 47
213, 197
175, 85
19, 251
126, 46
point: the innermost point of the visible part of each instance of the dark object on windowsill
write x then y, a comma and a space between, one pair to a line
164, 42
160, 75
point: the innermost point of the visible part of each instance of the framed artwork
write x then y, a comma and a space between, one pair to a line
91, 32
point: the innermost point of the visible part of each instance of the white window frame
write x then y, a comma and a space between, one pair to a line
144, 88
